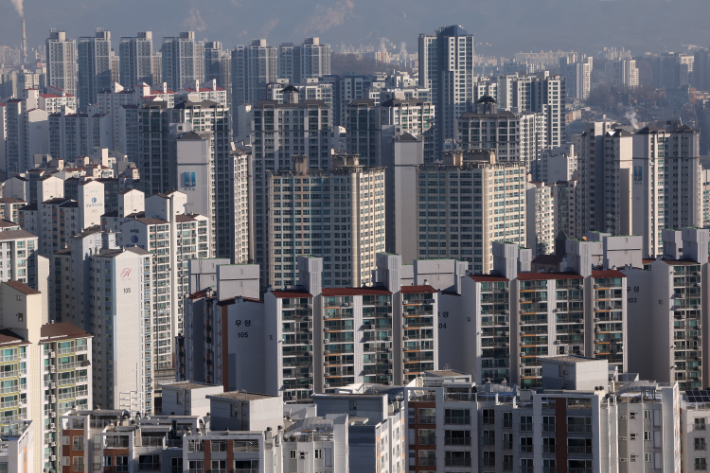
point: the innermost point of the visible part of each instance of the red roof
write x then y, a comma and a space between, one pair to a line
547, 276
416, 289
355, 291
651, 260
290, 294
50, 96
487, 278
608, 273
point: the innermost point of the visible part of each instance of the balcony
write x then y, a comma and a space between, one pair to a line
457, 462
428, 420
571, 450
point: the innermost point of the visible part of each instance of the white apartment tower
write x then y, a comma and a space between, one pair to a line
253, 67
94, 75
183, 60
621, 73
458, 208
349, 203
446, 61
311, 60
136, 60
281, 131
61, 62
540, 218
578, 75
667, 188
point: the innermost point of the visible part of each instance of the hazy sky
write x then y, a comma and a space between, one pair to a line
502, 27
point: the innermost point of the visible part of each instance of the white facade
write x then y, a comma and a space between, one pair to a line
61, 58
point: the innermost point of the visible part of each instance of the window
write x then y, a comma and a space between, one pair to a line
178, 396
526, 444
507, 420
462, 459
632, 415
632, 458
427, 458
426, 416
426, 437
526, 424
700, 444
701, 464
699, 424
457, 416
293, 453
489, 459
196, 466
457, 437
548, 445
647, 457
218, 466
219, 446
319, 453
488, 416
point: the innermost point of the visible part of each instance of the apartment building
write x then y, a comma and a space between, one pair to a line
26, 132
540, 218
45, 370
182, 60
566, 201
667, 188
300, 221
512, 317
94, 66
348, 88
577, 422
446, 61
557, 164
280, 132
577, 72
309, 90
666, 304
461, 206
371, 125
72, 135
57, 219
136, 60
308, 339
514, 137
621, 73
61, 56
253, 67
218, 67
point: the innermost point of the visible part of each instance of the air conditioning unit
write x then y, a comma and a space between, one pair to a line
389, 339
326, 385
53, 399
310, 386
53, 385
53, 355
522, 353
52, 426
53, 458
389, 371
596, 352
308, 318
53, 444
325, 363
326, 340
388, 349
388, 303
556, 342
406, 370
325, 329
596, 320
327, 352
405, 338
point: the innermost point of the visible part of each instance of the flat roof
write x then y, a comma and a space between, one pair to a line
355, 291
188, 385
286, 294
240, 396
417, 289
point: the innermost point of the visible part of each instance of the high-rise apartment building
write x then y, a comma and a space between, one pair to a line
61, 62
311, 60
519, 316
310, 339
307, 205
182, 60
72, 135
136, 60
672, 70
46, 371
578, 76
348, 88
218, 65
513, 137
280, 132
26, 132
540, 218
458, 208
372, 125
446, 61
666, 180
621, 73
253, 67
94, 75
666, 307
